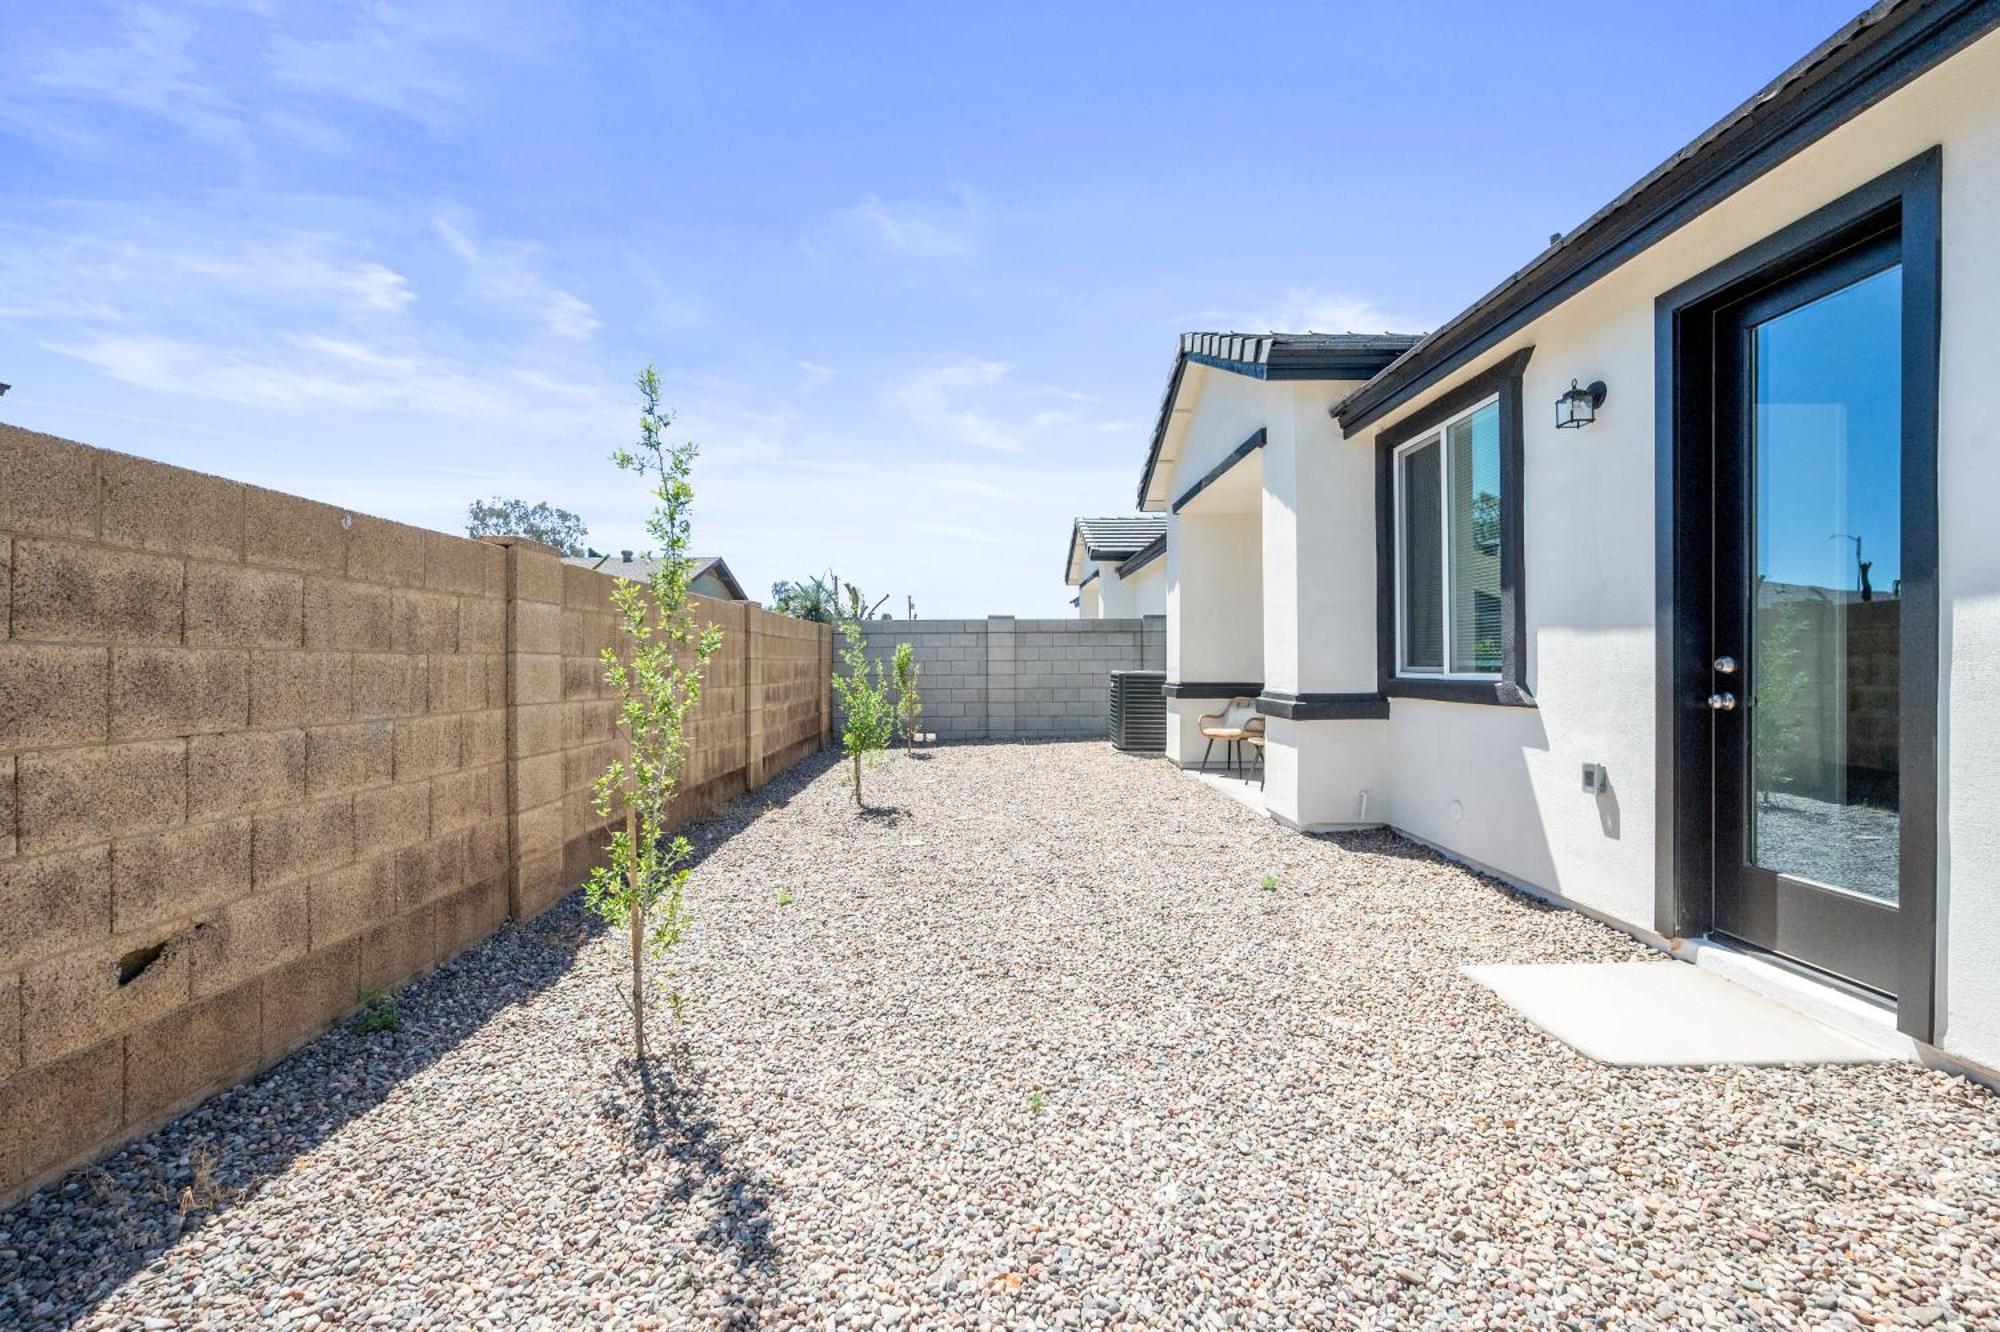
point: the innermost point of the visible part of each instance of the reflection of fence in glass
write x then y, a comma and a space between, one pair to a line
1825, 715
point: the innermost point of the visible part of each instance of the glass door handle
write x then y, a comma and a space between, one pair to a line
1722, 702
1725, 665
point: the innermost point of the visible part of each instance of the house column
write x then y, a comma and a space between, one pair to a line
1326, 725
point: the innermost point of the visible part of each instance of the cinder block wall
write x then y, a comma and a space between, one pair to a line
1003, 678
259, 754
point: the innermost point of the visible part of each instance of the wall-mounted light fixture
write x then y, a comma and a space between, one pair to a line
1578, 407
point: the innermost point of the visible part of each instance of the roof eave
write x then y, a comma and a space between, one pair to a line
1867, 59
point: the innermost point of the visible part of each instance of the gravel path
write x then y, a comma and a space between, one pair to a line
1032, 1048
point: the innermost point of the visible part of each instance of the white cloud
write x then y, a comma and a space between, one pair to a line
924, 231
984, 404
147, 68
507, 275
1303, 310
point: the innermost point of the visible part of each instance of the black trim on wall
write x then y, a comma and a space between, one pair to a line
1908, 200
1144, 556
1221, 469
1322, 707
1210, 689
1869, 58
1511, 689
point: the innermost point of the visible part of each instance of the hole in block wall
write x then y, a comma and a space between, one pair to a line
133, 965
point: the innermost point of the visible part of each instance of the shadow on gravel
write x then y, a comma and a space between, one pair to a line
668, 1118
71, 1244
887, 814
1384, 843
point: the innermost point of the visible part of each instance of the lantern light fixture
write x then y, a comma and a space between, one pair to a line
1578, 407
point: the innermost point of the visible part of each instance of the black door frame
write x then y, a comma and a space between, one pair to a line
1907, 199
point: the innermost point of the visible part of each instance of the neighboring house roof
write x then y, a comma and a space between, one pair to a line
1870, 57
1359, 356
1110, 539
1145, 555
625, 565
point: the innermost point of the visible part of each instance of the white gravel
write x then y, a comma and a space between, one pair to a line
1033, 1049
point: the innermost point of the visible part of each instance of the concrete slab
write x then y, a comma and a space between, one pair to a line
1666, 1015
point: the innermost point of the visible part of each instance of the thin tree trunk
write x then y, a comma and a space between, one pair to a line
857, 779
635, 918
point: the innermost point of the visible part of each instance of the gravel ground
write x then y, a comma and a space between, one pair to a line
1031, 1046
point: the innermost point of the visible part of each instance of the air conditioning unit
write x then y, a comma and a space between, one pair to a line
1139, 711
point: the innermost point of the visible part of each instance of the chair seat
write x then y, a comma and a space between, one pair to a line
1225, 732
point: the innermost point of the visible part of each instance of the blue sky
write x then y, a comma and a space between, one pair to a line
912, 273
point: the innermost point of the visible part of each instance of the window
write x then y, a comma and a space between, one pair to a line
1448, 541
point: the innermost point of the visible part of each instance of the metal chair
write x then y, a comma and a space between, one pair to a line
1234, 726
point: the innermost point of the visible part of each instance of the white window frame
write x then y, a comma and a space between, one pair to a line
1436, 435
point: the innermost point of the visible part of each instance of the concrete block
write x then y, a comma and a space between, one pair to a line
389, 817
303, 839
424, 622
346, 616
304, 998
300, 688
343, 758
535, 573
55, 1114
538, 830
348, 902
582, 678
536, 678
248, 937
538, 884
429, 870
469, 915
176, 875
595, 722
426, 746
483, 738
157, 507
482, 625
81, 998
65, 591
234, 605
535, 627
399, 952
486, 854
285, 532
540, 780
392, 685
465, 797
244, 770
458, 565
203, 1048
537, 729
177, 691
49, 903
48, 486
379, 551
457, 684
73, 797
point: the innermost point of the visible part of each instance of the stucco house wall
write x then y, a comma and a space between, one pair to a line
1500, 786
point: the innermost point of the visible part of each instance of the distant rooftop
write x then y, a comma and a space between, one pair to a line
1110, 539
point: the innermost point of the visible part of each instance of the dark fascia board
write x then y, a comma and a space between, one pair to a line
1075, 541
1322, 707
1469, 394
1266, 357
1088, 579
1221, 469
1870, 57
1146, 554
1199, 689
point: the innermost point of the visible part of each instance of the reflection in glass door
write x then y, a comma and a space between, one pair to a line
1808, 623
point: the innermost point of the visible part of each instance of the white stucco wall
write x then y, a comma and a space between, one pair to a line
1142, 594
1090, 601
1501, 786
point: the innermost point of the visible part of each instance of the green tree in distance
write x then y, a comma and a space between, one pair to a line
540, 522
